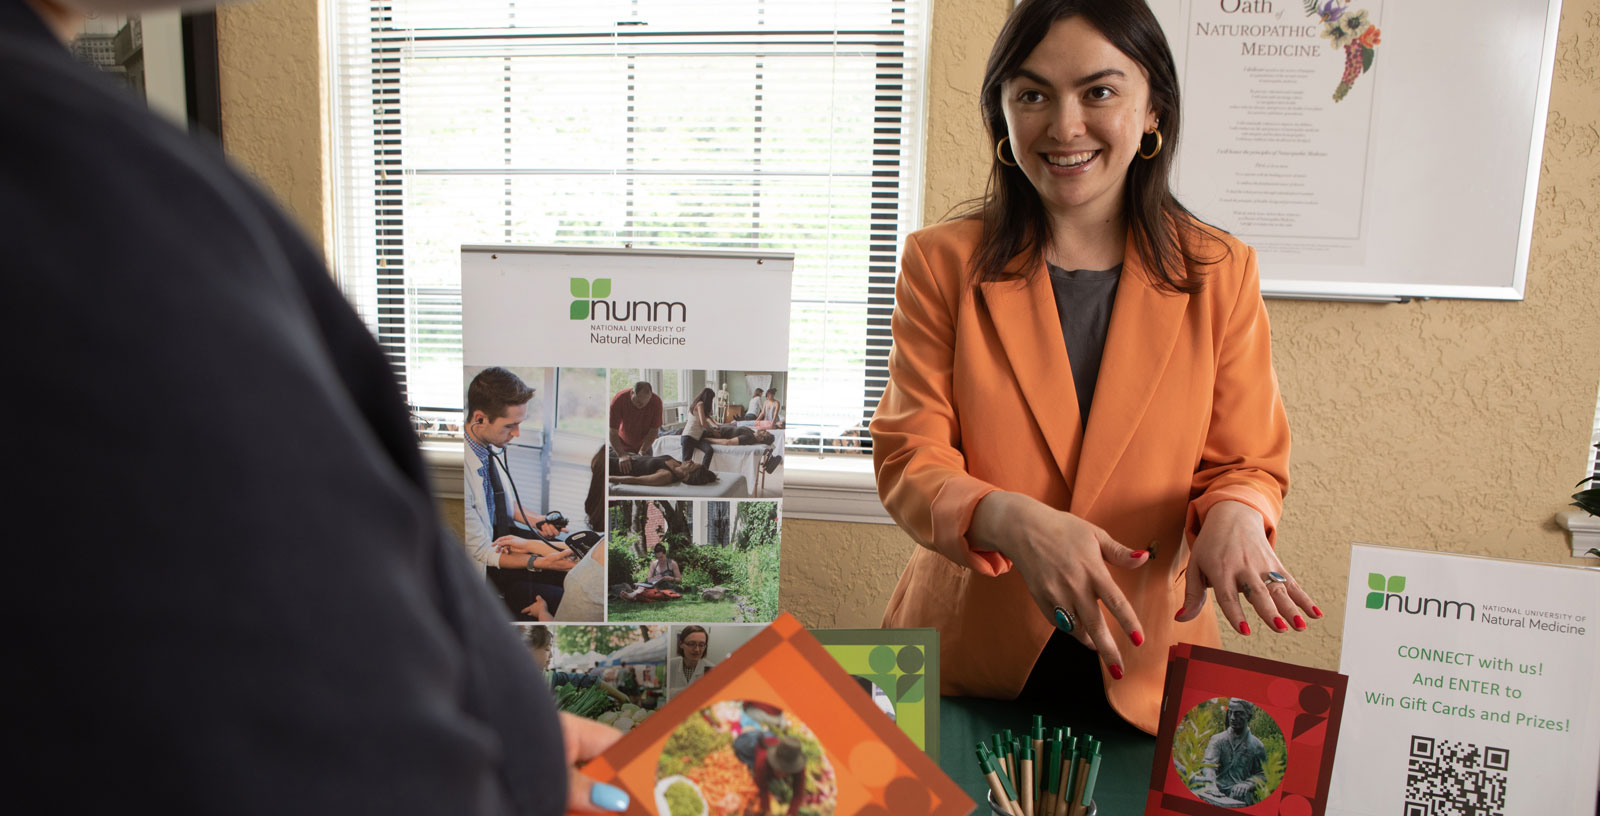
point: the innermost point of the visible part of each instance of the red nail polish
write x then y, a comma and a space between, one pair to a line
1299, 623
1316, 611
1116, 672
1280, 625
1140, 553
1181, 610
1244, 627
1138, 639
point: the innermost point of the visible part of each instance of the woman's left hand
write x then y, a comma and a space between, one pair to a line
1232, 556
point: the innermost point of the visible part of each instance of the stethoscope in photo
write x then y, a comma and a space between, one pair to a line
579, 542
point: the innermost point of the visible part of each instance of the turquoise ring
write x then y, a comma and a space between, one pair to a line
1066, 621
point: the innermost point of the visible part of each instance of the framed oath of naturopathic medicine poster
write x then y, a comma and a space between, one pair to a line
1367, 148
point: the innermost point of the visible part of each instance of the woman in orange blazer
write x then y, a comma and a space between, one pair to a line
1028, 513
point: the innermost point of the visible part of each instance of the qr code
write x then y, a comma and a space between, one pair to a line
1445, 778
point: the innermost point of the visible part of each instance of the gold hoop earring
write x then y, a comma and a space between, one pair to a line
999, 152
1151, 154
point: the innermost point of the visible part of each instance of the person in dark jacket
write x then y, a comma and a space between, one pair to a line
222, 480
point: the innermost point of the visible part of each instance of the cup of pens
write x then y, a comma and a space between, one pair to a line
1002, 810
1042, 774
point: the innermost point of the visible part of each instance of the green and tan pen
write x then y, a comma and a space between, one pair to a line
1011, 796
1025, 777
1087, 795
1039, 752
999, 752
1052, 775
1007, 781
990, 775
1009, 742
1080, 774
1069, 753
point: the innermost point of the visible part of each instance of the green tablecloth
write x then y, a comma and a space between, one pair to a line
1126, 752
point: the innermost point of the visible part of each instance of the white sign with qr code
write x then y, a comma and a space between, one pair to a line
1472, 687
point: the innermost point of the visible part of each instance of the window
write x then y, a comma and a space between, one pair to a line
1594, 446
780, 125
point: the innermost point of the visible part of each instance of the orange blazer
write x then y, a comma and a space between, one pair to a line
1186, 414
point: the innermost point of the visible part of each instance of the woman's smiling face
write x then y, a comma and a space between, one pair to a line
1075, 112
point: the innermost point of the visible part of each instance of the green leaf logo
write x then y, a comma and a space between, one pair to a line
1383, 586
579, 310
602, 288
580, 287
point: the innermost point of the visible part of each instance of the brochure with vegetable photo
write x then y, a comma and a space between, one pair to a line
778, 722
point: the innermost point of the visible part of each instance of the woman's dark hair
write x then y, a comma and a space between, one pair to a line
694, 474
689, 630
1015, 222
706, 399
538, 637
594, 504
659, 549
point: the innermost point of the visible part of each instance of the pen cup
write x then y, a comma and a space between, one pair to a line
1000, 810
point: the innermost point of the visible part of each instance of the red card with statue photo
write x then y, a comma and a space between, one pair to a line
778, 720
1244, 735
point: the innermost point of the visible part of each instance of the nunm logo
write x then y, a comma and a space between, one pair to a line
583, 292
1382, 586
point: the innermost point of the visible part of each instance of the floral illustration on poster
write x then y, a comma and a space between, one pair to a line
1351, 30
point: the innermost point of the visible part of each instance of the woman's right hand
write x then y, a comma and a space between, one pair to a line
1065, 562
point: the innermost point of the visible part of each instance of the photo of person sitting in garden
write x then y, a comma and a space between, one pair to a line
703, 561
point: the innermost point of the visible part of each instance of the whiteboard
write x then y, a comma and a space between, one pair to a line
1419, 182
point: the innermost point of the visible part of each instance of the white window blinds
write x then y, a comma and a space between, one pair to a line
787, 125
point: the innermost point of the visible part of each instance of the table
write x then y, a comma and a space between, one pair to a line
1126, 752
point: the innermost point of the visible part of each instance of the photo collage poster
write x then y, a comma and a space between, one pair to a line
625, 426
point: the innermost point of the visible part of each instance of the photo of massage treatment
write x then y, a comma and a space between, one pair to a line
744, 758
534, 492
612, 674
696, 434
701, 562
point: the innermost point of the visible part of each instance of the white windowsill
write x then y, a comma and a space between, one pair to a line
1584, 529
821, 488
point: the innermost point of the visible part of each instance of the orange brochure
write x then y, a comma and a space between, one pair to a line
777, 720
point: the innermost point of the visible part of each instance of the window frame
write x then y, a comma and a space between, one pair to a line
829, 486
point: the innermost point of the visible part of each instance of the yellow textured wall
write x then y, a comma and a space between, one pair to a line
1450, 425
274, 104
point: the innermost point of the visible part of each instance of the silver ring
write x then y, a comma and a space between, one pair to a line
1066, 621
1274, 578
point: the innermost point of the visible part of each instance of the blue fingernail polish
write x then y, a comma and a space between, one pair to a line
609, 798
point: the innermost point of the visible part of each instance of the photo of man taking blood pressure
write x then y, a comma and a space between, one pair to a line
522, 551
